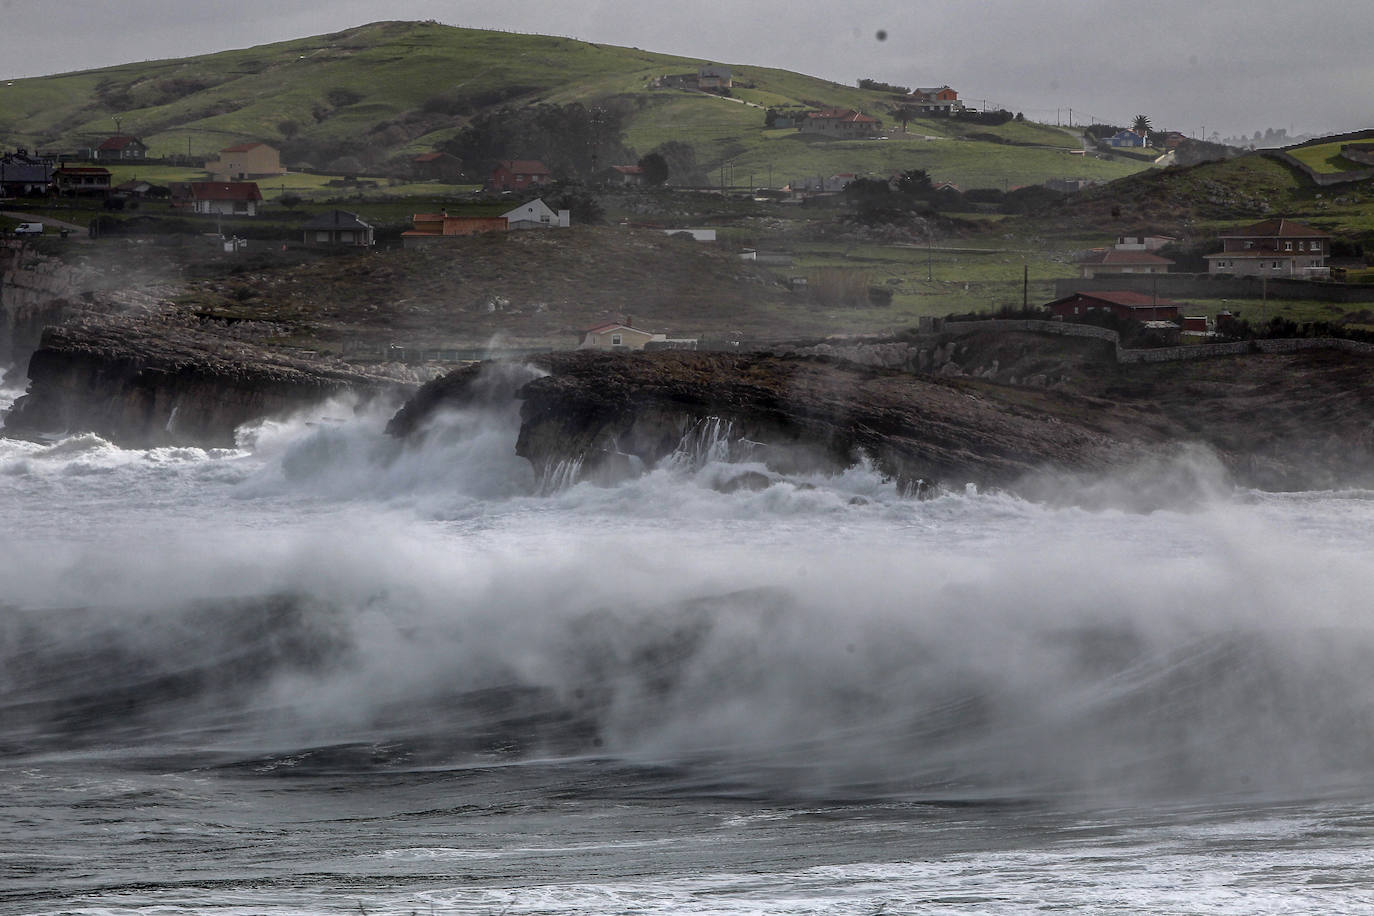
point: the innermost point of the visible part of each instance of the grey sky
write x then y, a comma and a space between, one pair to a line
1226, 65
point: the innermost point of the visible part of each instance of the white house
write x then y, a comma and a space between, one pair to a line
536, 214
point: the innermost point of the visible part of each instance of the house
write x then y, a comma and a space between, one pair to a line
223, 198
618, 335
22, 175
1103, 262
1121, 303
435, 228
120, 147
840, 122
337, 229
1273, 248
72, 180
1143, 242
627, 176
246, 160
536, 214
713, 76
519, 174
937, 100
437, 166
1171, 139
1126, 138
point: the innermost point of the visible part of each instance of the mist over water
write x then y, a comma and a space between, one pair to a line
327, 603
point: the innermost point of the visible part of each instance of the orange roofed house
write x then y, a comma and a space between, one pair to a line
431, 228
245, 160
842, 122
519, 174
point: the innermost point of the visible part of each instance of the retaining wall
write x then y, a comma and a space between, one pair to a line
1219, 286
1162, 354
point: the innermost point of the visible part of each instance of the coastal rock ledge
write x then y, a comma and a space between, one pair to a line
605, 415
143, 383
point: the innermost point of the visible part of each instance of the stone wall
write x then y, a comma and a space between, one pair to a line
1219, 286
1324, 179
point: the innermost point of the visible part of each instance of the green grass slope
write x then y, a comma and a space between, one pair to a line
402, 87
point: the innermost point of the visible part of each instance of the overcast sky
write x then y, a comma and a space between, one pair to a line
1233, 66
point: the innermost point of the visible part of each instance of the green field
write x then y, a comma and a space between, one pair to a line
406, 86
1325, 157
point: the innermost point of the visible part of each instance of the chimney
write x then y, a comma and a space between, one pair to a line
629, 321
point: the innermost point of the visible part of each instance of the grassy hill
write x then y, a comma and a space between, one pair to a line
398, 88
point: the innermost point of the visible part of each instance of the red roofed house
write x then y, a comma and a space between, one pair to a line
1107, 262
1122, 304
1273, 248
942, 100
121, 147
519, 174
843, 122
226, 198
246, 160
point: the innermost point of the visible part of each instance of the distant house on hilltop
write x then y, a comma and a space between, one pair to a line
121, 147
1273, 248
936, 100
843, 122
337, 229
519, 174
1126, 138
713, 76
622, 335
245, 160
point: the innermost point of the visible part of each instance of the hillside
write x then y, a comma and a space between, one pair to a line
389, 90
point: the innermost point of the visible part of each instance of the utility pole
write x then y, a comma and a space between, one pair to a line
1025, 287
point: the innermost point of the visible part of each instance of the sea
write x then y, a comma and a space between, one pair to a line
329, 672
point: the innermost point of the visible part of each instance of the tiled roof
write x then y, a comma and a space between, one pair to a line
1276, 228
1128, 298
225, 190
240, 148
118, 142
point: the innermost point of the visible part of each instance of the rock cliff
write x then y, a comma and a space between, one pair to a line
605, 415
142, 382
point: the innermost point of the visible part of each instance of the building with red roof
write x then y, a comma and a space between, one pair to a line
1121, 303
81, 179
519, 174
437, 166
1102, 262
223, 198
120, 147
1273, 248
842, 122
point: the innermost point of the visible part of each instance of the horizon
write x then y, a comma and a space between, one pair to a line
1051, 78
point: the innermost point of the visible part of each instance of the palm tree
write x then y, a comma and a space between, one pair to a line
1141, 125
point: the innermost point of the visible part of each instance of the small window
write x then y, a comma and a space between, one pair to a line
615, 340
1287, 246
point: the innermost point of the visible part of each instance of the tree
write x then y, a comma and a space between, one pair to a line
904, 114
1141, 125
655, 169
